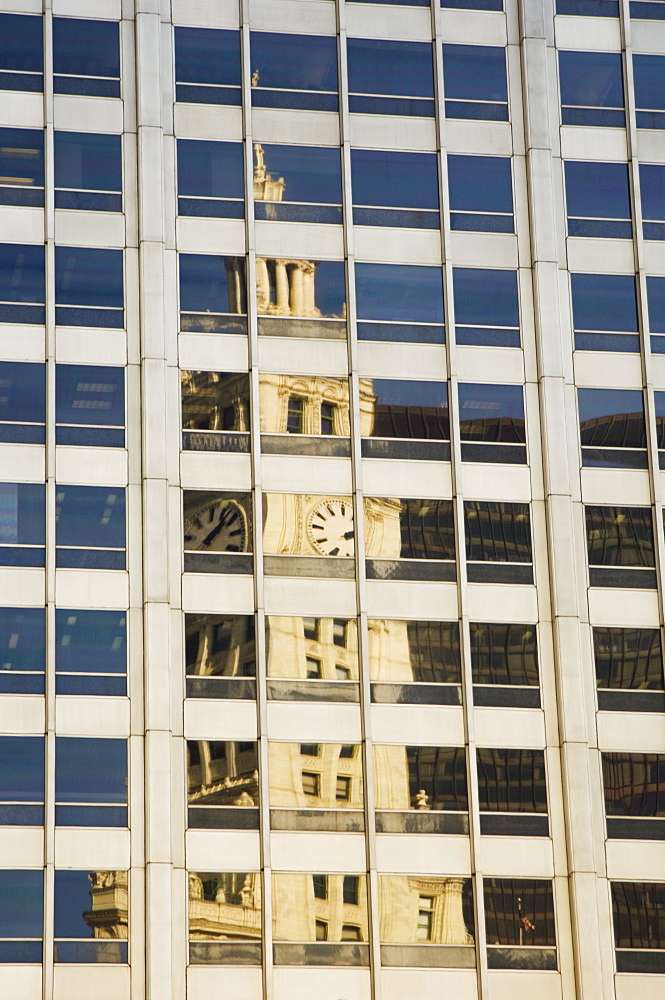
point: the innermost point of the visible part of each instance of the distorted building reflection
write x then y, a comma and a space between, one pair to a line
222, 784
220, 656
318, 908
426, 909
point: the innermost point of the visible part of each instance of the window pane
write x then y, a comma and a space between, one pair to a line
504, 654
426, 529
215, 401
394, 180
222, 773
296, 911
21, 157
475, 72
433, 909
209, 283
591, 79
403, 292
90, 515
629, 658
619, 536
310, 174
384, 67
314, 776
511, 781
22, 514
206, 55
299, 647
91, 641
485, 297
434, 776
604, 302
87, 161
497, 532
92, 905
649, 76
597, 190
90, 771
22, 771
405, 409
90, 395
611, 418
492, 413
480, 183
21, 273
210, 169
294, 62
86, 277
656, 299
85, 48
22, 638
519, 912
21, 44
22, 392
21, 902
652, 190
634, 784
218, 646
638, 910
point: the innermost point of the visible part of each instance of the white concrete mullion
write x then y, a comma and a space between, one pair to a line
257, 504
50, 480
582, 969
457, 476
358, 511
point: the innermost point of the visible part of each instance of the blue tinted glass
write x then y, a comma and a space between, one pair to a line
210, 169
22, 513
87, 394
73, 899
480, 401
22, 157
90, 770
475, 72
656, 299
604, 302
86, 161
91, 641
203, 284
21, 45
396, 68
21, 273
595, 403
652, 189
403, 292
396, 392
22, 639
597, 190
90, 515
21, 768
394, 180
649, 75
207, 55
85, 277
310, 173
22, 391
485, 297
294, 62
591, 79
85, 48
21, 903
659, 399
480, 184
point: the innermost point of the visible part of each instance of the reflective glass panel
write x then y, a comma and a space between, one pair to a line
475, 82
300, 915
591, 88
21, 52
224, 907
597, 194
652, 191
287, 178
294, 62
22, 647
492, 413
219, 647
22, 275
315, 776
21, 165
399, 302
392, 179
634, 784
504, 654
222, 773
629, 658
610, 418
86, 277
497, 532
511, 781
22, 514
90, 395
91, 771
301, 404
480, 184
619, 536
432, 909
85, 48
215, 522
404, 409
90, 641
649, 77
379, 66
426, 531
605, 312
421, 651
22, 771
21, 903
91, 916
211, 288
486, 307
656, 300
420, 778
300, 289
22, 401
88, 162
638, 911
519, 912
210, 174
296, 647
90, 515
207, 56
214, 401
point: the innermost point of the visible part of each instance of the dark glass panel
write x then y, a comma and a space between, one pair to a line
309, 174
403, 292
634, 784
90, 515
21, 45
207, 55
91, 905
649, 77
492, 413
387, 67
90, 641
212, 284
480, 183
85, 48
604, 302
475, 72
504, 654
22, 392
511, 781
215, 401
293, 62
22, 513
222, 773
210, 169
597, 190
619, 536
22, 771
22, 157
519, 912
611, 418
21, 273
434, 652
638, 912
656, 300
21, 902
92, 771
427, 529
628, 658
90, 395
588, 8
439, 772
497, 532
591, 79
409, 409
394, 179
219, 646
86, 161
22, 639
87, 277
652, 189
485, 297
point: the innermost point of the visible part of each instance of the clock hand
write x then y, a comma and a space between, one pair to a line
210, 537
347, 535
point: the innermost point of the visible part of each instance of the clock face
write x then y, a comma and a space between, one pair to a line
330, 528
219, 526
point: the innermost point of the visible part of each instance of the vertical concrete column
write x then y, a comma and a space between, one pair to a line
564, 513
155, 330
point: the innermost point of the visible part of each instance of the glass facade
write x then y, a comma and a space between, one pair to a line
332, 427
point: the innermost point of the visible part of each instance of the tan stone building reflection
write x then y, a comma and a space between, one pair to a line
109, 905
224, 906
312, 908
419, 909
